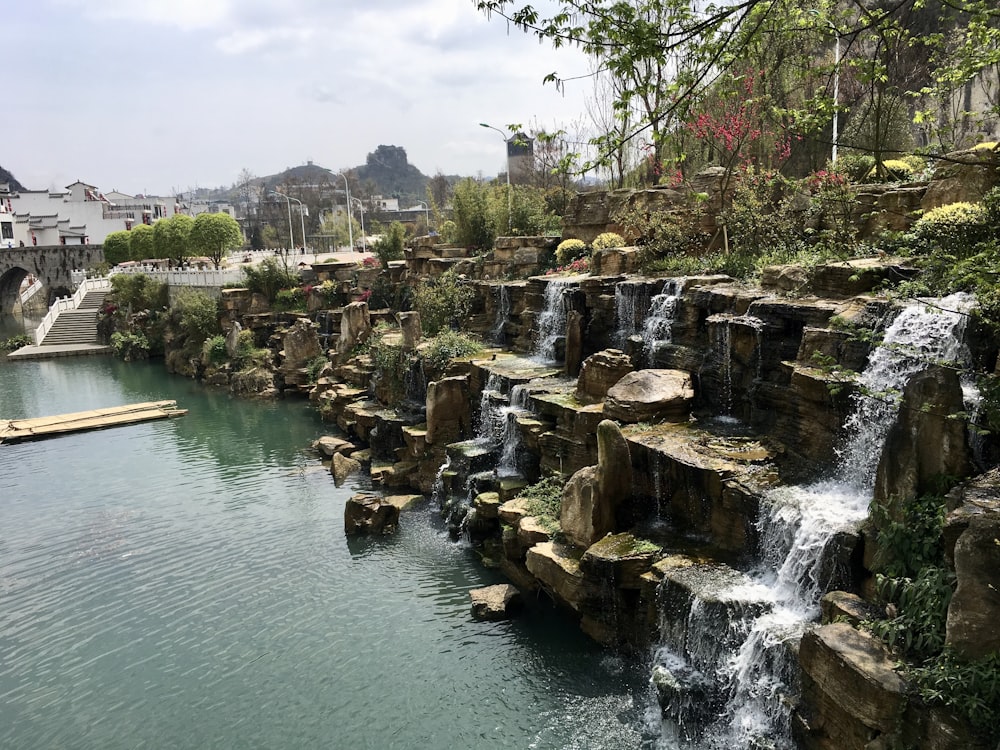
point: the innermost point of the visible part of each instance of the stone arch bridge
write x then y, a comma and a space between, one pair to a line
52, 264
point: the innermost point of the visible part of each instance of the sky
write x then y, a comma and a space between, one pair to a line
163, 96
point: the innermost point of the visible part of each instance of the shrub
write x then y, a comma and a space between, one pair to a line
138, 292
568, 250
15, 342
199, 315
856, 166
213, 351
268, 277
894, 170
955, 229
542, 500
315, 366
287, 300
446, 346
474, 225
442, 303
389, 245
607, 240
130, 346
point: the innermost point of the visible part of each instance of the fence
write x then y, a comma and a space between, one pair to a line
68, 303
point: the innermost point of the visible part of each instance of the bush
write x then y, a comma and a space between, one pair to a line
389, 246
443, 303
607, 241
568, 250
894, 170
130, 346
268, 277
15, 342
288, 300
213, 351
543, 500
447, 346
138, 292
199, 315
955, 229
474, 225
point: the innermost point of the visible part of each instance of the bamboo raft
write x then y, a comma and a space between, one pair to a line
39, 428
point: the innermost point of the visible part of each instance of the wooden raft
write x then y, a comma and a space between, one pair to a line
17, 430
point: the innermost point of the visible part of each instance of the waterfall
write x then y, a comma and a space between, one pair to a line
631, 301
797, 526
660, 317
502, 295
551, 322
511, 437
490, 406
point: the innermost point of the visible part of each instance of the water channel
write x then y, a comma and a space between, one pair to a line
187, 584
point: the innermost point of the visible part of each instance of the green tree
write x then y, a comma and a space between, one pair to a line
171, 238
390, 245
214, 235
474, 225
140, 242
116, 247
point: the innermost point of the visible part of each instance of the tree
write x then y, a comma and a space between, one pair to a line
474, 225
390, 245
171, 238
214, 235
140, 242
116, 247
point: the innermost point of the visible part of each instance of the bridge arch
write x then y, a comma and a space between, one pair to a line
52, 265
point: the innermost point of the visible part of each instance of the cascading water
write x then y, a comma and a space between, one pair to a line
797, 526
551, 322
511, 437
631, 301
502, 294
490, 406
656, 327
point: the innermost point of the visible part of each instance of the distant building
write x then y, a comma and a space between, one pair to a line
520, 157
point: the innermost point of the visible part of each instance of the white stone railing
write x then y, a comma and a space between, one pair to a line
68, 303
186, 276
31, 291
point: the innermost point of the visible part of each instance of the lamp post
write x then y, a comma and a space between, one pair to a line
427, 216
836, 82
302, 218
361, 210
291, 239
510, 206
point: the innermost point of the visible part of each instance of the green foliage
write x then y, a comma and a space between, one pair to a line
568, 250
268, 277
543, 499
315, 366
199, 315
762, 219
856, 165
138, 292
140, 242
171, 237
116, 247
15, 342
970, 688
389, 245
391, 364
290, 300
912, 541
666, 238
955, 229
442, 303
607, 241
917, 629
130, 346
446, 346
894, 170
526, 214
474, 226
449, 232
213, 350
248, 355
214, 235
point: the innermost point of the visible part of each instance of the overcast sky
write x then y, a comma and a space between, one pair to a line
151, 96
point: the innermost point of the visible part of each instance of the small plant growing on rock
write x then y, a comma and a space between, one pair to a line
607, 241
568, 250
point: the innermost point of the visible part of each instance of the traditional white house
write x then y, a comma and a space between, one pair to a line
78, 216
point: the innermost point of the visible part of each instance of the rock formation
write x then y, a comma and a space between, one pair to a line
650, 396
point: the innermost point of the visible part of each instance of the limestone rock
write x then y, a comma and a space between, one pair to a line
592, 494
962, 176
842, 605
850, 691
301, 345
497, 602
329, 445
232, 338
650, 395
924, 443
342, 467
448, 416
366, 513
409, 324
574, 342
600, 372
355, 326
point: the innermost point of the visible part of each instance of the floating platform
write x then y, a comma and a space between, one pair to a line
39, 428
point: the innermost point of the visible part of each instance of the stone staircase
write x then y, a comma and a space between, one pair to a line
77, 326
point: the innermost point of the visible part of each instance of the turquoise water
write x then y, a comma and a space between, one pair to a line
187, 584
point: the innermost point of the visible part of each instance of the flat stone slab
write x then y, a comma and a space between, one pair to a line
64, 350
499, 602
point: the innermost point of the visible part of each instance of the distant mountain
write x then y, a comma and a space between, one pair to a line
7, 177
393, 176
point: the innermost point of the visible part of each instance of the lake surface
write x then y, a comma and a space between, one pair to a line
187, 584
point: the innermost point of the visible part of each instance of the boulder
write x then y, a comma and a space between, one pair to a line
355, 326
600, 372
366, 513
574, 342
650, 396
499, 602
329, 445
409, 324
301, 345
448, 412
962, 176
342, 467
592, 495
232, 339
925, 442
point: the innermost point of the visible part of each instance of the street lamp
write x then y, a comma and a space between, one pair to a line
510, 207
361, 210
302, 218
427, 216
836, 82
